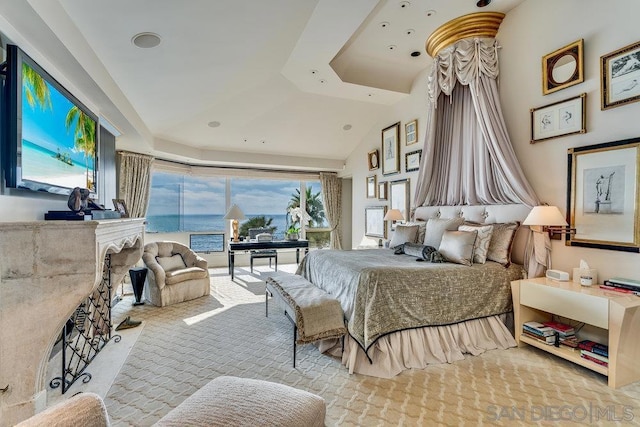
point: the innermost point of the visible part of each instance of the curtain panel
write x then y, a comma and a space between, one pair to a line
134, 182
467, 156
332, 194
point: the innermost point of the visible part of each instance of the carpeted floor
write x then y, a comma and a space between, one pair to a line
184, 346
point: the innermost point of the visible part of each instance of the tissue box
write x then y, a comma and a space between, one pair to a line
578, 272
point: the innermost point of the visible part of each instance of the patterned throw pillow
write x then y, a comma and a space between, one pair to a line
436, 228
457, 246
481, 246
501, 242
422, 227
403, 234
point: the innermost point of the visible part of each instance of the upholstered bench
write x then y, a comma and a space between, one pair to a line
224, 401
315, 314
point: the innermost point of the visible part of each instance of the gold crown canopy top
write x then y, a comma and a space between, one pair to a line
480, 24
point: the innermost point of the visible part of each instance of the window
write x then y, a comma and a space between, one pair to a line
318, 232
264, 202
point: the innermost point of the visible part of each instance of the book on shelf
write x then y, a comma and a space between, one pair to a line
594, 355
538, 328
569, 341
594, 347
561, 328
547, 340
594, 360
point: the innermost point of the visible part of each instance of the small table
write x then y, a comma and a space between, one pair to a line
138, 276
276, 244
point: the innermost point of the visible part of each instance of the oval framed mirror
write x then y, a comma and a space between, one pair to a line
562, 68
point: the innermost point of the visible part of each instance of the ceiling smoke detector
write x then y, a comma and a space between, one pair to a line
146, 40
346, 127
213, 124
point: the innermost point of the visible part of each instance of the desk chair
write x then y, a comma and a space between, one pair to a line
262, 253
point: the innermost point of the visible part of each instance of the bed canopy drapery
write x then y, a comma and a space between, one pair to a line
467, 158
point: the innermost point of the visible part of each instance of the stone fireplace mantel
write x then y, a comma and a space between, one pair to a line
47, 268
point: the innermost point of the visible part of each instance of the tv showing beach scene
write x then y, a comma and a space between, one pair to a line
58, 138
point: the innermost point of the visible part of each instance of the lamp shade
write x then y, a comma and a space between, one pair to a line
393, 215
234, 213
545, 215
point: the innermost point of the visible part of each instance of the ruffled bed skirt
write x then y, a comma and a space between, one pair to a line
417, 348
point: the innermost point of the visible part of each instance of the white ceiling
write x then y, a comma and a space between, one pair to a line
281, 76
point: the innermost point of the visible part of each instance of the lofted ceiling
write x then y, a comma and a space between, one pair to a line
277, 83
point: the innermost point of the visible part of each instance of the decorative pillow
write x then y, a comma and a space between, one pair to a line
422, 226
481, 247
501, 242
170, 263
421, 252
402, 234
457, 246
436, 228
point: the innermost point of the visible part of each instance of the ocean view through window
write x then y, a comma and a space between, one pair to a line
182, 203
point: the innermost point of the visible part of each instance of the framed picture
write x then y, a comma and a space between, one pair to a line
562, 68
373, 158
374, 221
391, 149
620, 76
411, 132
412, 161
121, 207
371, 187
559, 119
602, 200
382, 191
399, 198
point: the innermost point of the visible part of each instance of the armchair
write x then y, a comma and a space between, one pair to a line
176, 273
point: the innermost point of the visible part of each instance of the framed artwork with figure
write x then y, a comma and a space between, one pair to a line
602, 200
391, 149
620, 76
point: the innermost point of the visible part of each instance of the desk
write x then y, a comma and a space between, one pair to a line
276, 244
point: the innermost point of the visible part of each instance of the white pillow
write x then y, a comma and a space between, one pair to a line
403, 234
436, 228
481, 246
457, 246
170, 263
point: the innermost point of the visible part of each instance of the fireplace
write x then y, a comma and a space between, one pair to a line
47, 268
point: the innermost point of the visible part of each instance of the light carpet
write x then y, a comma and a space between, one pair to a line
184, 346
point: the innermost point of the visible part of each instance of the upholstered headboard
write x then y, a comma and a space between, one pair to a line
489, 214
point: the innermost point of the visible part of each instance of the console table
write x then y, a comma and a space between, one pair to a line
616, 314
276, 244
47, 269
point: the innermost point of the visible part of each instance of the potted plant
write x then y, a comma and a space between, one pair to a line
299, 218
293, 231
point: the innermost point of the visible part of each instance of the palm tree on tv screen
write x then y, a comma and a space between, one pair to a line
85, 136
35, 88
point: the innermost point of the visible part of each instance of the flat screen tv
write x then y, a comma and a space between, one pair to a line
50, 137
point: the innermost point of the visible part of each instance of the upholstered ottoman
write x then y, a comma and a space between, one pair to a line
231, 401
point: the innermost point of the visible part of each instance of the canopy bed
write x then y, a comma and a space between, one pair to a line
402, 314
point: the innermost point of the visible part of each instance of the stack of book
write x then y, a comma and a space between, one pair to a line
566, 333
622, 283
595, 352
540, 332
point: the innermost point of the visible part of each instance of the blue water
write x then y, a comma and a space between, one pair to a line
40, 165
200, 223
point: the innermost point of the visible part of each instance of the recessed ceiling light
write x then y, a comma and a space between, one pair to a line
346, 127
409, 31
322, 81
404, 4
314, 71
384, 24
146, 40
392, 47
213, 124
431, 12
415, 53
483, 3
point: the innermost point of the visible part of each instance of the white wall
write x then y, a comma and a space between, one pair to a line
530, 31
605, 27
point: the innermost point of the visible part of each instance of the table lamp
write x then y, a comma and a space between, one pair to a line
393, 215
234, 214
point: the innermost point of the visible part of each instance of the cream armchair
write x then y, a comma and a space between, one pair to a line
176, 273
